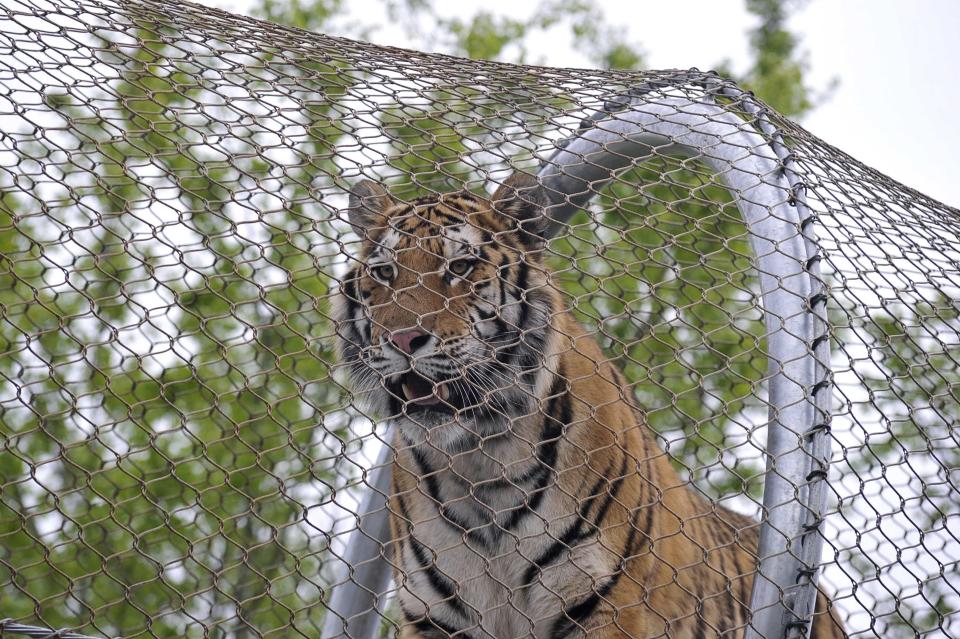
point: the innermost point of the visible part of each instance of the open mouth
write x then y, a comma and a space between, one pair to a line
423, 392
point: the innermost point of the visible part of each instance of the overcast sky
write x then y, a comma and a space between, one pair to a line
897, 63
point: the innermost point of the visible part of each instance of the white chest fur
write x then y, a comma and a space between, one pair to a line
489, 545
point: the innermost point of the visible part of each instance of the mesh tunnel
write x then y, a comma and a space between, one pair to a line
715, 393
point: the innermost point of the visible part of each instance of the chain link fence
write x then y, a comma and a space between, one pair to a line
301, 336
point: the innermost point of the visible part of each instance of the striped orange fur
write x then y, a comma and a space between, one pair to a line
529, 498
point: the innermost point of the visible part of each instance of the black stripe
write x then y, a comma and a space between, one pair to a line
547, 448
407, 615
440, 582
350, 293
612, 493
523, 274
489, 486
424, 471
482, 286
651, 508
414, 222
580, 529
530, 360
429, 627
472, 533
699, 619
502, 328
464, 198
573, 534
550, 430
578, 614
535, 341
353, 305
350, 288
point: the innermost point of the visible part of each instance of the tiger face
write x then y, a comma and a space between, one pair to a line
445, 316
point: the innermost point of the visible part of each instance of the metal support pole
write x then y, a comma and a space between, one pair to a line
757, 171
364, 573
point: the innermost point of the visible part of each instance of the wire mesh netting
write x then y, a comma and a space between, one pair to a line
563, 331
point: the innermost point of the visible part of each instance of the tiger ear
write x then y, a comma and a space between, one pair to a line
523, 198
369, 202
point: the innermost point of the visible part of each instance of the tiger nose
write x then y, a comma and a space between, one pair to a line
410, 341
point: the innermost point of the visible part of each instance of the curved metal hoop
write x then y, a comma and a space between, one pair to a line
770, 198
751, 160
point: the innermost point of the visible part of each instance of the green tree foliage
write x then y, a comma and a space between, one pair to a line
484, 36
908, 451
777, 72
166, 390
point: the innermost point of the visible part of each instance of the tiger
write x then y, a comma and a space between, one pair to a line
529, 497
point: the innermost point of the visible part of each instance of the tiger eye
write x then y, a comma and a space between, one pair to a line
461, 267
383, 272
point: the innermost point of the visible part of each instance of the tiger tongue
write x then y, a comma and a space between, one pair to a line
418, 390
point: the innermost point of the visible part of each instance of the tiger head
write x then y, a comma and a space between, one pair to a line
446, 314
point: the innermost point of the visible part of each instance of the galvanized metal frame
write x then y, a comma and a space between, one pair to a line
733, 137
